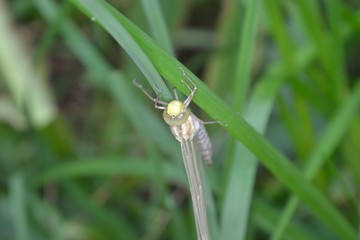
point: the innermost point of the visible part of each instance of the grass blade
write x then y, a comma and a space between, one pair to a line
107, 166
243, 168
158, 25
18, 202
246, 49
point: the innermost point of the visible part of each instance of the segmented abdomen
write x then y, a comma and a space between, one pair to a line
203, 140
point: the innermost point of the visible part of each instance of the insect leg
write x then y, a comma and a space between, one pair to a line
175, 94
156, 100
192, 91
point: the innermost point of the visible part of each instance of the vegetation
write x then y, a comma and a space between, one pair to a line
84, 155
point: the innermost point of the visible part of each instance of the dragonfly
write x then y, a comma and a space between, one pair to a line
190, 131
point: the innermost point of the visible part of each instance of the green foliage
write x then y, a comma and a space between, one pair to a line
86, 156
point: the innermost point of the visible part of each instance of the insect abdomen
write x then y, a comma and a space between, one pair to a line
203, 140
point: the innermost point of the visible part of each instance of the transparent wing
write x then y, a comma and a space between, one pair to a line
191, 162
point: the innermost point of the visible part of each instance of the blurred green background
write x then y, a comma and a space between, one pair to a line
84, 155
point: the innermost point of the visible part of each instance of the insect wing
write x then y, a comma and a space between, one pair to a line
193, 171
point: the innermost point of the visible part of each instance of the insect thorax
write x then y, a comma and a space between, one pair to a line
187, 130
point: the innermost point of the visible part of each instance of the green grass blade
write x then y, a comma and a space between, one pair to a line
246, 51
107, 166
18, 204
318, 34
338, 45
220, 66
276, 162
322, 152
242, 175
157, 24
277, 27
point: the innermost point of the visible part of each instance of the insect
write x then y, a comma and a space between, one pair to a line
190, 131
